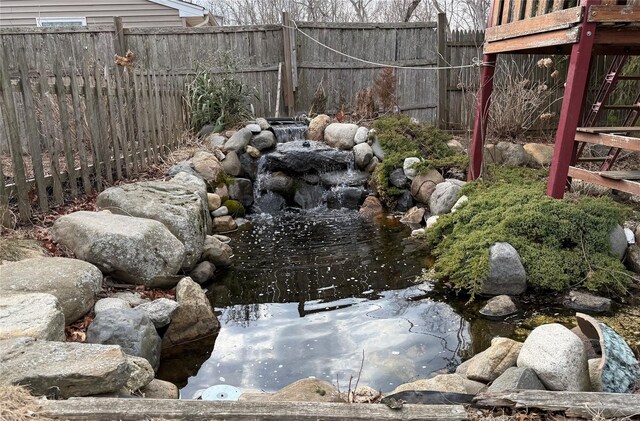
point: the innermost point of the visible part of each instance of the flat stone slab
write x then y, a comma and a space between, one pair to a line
35, 315
64, 369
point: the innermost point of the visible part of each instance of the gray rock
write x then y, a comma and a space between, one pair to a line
455, 144
110, 302
194, 183
184, 212
511, 153
158, 311
140, 373
308, 196
344, 178
346, 197
160, 389
431, 221
137, 250
444, 197
407, 167
633, 258
340, 135
132, 298
68, 368
239, 141
361, 135
459, 203
216, 141
222, 224
495, 360
242, 191
255, 128
376, 146
203, 273
73, 282
192, 320
363, 155
184, 166
584, 301
217, 252
278, 182
413, 216
516, 378
404, 202
294, 157
264, 140
263, 123
373, 164
269, 203
506, 273
249, 165
32, 314
231, 164
557, 356
618, 241
443, 383
207, 165
398, 178
129, 328
205, 131
423, 186
499, 307
221, 211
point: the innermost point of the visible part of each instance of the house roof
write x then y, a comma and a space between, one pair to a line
185, 9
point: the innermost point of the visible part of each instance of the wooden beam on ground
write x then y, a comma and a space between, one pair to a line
574, 404
562, 19
631, 187
531, 42
615, 141
91, 409
621, 175
614, 14
619, 129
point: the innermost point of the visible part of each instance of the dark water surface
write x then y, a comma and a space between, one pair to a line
309, 292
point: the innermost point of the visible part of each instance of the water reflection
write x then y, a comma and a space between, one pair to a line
310, 291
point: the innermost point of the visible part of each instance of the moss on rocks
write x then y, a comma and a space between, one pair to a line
235, 208
561, 243
400, 139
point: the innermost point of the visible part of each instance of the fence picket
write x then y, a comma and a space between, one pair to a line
67, 141
123, 115
91, 112
116, 132
103, 138
79, 125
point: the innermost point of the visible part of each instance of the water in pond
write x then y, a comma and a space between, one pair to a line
310, 291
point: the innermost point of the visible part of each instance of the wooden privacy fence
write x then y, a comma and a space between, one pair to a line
75, 126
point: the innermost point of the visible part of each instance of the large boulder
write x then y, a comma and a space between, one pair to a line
141, 373
423, 186
362, 155
110, 302
239, 141
31, 314
158, 311
231, 164
557, 356
131, 329
584, 301
538, 155
362, 135
399, 179
618, 241
444, 197
208, 166
506, 273
136, 250
340, 135
192, 320
160, 389
495, 360
303, 156
443, 383
217, 252
241, 190
182, 211
64, 368
516, 378
317, 126
73, 282
498, 307
278, 182
371, 207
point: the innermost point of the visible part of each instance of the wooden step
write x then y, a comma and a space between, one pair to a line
597, 177
621, 175
612, 140
619, 129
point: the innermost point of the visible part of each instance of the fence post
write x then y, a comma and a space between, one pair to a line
288, 78
443, 74
119, 42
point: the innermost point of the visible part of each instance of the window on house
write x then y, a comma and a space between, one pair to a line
48, 22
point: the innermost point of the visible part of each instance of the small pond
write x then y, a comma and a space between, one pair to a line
311, 291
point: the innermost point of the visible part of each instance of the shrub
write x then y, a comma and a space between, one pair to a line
400, 138
385, 86
561, 243
219, 99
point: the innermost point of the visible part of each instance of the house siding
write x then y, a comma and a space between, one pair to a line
134, 13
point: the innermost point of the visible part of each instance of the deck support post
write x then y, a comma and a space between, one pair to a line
577, 78
482, 115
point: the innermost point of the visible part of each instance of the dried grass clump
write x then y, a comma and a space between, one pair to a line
17, 404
